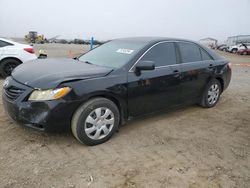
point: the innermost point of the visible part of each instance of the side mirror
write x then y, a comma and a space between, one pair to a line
144, 65
42, 56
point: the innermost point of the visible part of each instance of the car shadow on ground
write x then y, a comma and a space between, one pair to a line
67, 138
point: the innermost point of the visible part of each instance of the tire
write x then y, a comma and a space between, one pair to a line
93, 118
7, 66
234, 50
244, 53
210, 100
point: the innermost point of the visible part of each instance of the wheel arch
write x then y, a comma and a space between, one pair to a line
6, 58
120, 103
234, 49
221, 82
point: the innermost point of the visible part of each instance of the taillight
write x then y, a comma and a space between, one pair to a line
30, 50
230, 66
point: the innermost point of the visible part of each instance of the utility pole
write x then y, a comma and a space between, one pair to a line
91, 43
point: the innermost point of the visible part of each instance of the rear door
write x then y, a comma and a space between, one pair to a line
155, 89
4, 49
197, 67
2, 45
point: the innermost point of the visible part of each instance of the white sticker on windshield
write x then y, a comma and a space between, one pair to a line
124, 51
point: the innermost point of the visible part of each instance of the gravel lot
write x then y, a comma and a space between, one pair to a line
191, 147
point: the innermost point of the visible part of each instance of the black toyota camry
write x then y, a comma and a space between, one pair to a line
125, 78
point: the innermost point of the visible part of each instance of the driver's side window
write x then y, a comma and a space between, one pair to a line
161, 54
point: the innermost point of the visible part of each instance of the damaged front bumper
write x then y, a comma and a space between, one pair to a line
49, 116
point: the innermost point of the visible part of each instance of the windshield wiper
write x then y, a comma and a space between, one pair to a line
88, 62
76, 58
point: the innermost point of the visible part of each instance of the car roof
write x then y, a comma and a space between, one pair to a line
152, 39
13, 42
6, 40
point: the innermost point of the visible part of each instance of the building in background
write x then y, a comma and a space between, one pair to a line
209, 42
234, 40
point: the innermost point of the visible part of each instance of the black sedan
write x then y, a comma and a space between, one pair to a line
125, 78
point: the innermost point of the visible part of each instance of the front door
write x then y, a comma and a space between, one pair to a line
156, 89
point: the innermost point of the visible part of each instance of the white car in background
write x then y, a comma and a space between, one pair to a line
13, 54
236, 48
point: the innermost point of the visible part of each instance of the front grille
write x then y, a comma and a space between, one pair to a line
13, 92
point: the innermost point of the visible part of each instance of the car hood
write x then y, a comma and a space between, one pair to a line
49, 73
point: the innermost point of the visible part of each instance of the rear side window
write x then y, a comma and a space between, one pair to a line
189, 52
205, 55
162, 54
3, 44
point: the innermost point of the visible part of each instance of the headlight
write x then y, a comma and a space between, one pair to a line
50, 94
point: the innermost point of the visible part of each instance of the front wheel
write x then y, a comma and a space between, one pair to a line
95, 121
211, 94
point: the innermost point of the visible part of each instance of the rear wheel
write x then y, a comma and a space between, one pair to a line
95, 121
211, 94
7, 66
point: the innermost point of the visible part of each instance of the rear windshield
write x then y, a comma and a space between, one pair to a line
113, 54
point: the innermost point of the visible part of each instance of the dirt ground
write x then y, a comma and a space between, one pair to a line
188, 148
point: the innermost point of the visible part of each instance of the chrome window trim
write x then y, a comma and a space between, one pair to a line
194, 62
200, 48
164, 66
131, 69
178, 64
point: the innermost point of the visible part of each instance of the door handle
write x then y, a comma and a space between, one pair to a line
211, 66
177, 73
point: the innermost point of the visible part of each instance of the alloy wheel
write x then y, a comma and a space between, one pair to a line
213, 94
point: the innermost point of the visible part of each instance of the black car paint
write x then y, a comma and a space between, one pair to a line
46, 76
134, 95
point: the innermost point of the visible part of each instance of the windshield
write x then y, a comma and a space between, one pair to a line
113, 54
